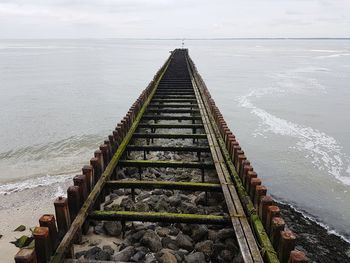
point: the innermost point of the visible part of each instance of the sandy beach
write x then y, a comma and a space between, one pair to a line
25, 208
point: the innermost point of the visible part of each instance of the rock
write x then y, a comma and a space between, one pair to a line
212, 235
99, 230
163, 232
20, 228
158, 192
197, 257
127, 204
174, 200
118, 192
231, 244
200, 199
1, 236
113, 228
218, 247
138, 256
226, 255
167, 257
168, 242
152, 241
173, 231
91, 253
150, 258
184, 241
206, 247
199, 232
108, 249
102, 255
142, 207
161, 205
124, 255
225, 233
177, 157
137, 236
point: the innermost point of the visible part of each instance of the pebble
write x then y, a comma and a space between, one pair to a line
124, 255
168, 257
184, 241
151, 240
199, 232
197, 257
206, 247
113, 228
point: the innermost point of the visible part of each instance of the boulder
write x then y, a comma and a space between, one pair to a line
184, 241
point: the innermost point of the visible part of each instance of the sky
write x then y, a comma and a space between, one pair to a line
174, 18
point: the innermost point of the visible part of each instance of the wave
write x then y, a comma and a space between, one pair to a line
323, 150
33, 183
44, 164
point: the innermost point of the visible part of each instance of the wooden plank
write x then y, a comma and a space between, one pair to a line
187, 186
168, 148
170, 164
160, 217
170, 135
247, 243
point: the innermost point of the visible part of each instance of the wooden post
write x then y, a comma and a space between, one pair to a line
50, 222
98, 155
277, 226
265, 202
80, 180
287, 244
62, 216
88, 172
253, 184
104, 150
74, 202
96, 171
42, 244
260, 191
250, 176
26, 255
272, 211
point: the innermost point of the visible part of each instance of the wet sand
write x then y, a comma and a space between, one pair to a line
25, 208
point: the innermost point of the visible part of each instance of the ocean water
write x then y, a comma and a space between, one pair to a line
287, 101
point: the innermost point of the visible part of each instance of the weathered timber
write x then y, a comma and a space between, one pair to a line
269, 252
170, 164
168, 148
171, 126
188, 186
160, 217
170, 136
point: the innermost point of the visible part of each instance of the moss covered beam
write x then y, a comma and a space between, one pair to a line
160, 217
187, 186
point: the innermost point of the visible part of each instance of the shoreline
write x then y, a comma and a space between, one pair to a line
26, 206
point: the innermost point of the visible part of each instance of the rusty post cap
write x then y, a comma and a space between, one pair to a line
87, 168
94, 161
46, 218
60, 201
79, 178
261, 190
267, 199
297, 256
277, 222
98, 153
255, 181
288, 235
41, 232
252, 174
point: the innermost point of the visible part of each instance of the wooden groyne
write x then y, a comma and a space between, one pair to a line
176, 106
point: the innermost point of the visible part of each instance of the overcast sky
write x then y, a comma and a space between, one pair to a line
174, 18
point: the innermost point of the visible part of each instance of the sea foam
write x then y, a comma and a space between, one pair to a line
323, 150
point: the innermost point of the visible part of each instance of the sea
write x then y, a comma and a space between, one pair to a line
286, 100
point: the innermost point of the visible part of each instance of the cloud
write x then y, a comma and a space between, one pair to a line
170, 18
